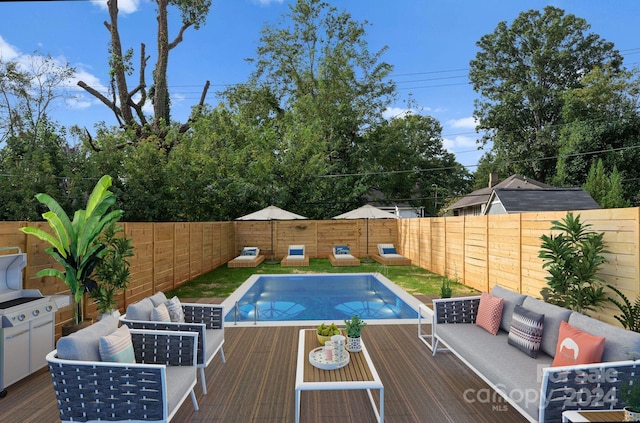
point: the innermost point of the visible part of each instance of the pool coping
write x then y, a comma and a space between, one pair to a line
410, 300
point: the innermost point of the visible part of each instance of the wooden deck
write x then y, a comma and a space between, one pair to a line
257, 385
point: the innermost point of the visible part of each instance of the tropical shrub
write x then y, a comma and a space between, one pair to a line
573, 259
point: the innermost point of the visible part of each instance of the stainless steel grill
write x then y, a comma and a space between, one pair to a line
27, 322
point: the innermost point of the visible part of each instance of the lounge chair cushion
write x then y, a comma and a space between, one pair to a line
84, 344
160, 314
250, 251
341, 250
117, 346
140, 310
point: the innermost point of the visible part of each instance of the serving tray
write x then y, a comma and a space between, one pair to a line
317, 359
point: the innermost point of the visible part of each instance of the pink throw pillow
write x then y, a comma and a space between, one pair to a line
577, 347
489, 313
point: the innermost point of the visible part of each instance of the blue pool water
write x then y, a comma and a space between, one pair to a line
317, 297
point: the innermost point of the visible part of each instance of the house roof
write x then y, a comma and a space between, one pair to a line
521, 200
481, 196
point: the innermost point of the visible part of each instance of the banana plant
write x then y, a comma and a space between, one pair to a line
74, 243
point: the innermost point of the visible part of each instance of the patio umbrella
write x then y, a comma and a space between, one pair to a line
271, 213
366, 212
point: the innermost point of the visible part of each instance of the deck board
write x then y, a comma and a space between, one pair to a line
257, 384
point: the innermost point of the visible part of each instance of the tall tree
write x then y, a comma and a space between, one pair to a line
410, 163
126, 103
322, 86
605, 188
521, 73
602, 123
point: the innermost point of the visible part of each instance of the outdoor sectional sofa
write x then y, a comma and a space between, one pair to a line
537, 390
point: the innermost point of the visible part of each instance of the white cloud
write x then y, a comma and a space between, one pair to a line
396, 112
7, 51
124, 6
464, 123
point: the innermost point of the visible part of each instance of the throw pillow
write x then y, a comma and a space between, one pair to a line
117, 347
296, 252
389, 251
176, 314
489, 313
525, 332
577, 347
342, 249
160, 314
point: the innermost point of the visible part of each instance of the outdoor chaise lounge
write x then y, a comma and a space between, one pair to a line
107, 373
207, 320
249, 257
296, 256
341, 256
388, 256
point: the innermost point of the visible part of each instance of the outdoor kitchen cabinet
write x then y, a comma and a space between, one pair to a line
25, 347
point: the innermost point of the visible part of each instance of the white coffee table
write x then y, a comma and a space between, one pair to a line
360, 373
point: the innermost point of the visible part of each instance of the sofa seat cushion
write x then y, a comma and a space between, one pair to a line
505, 366
85, 344
214, 338
619, 345
179, 380
553, 315
511, 299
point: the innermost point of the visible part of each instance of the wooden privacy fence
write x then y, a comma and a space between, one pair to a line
166, 255
482, 251
479, 251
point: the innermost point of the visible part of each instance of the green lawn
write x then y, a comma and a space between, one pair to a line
221, 282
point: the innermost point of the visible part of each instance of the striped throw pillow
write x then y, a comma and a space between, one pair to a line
117, 347
175, 310
160, 314
526, 331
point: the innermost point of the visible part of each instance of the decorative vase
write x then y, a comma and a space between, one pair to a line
631, 416
353, 344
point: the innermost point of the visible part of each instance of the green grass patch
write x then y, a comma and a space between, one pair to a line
221, 282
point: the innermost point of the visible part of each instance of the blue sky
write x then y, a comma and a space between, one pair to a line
430, 44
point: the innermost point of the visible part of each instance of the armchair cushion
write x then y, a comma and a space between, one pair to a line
117, 347
84, 344
140, 310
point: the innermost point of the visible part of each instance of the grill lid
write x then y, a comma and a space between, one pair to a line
11, 266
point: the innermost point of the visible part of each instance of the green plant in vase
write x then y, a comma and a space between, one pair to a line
112, 272
630, 396
325, 332
74, 242
353, 328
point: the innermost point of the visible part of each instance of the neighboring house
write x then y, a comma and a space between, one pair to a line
521, 200
474, 204
402, 210
518, 194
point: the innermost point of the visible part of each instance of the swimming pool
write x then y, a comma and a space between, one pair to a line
269, 299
